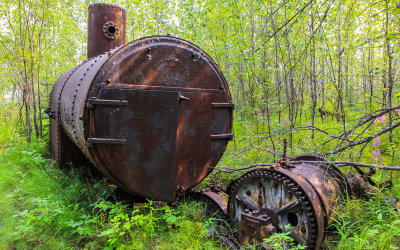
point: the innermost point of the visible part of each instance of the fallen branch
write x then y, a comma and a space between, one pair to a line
350, 163
363, 120
336, 163
365, 140
231, 170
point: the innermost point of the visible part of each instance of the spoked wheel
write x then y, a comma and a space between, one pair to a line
264, 201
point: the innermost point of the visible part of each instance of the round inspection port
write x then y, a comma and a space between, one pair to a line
110, 30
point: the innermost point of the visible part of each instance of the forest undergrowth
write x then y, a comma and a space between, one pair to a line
322, 74
45, 207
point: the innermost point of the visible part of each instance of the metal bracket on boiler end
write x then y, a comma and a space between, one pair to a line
92, 102
51, 114
90, 105
106, 141
222, 137
223, 105
183, 98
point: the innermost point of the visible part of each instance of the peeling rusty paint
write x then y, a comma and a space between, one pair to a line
106, 28
149, 115
302, 195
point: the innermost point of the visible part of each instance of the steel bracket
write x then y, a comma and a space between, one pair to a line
94, 101
92, 140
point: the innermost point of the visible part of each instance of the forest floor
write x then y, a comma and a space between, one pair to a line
44, 207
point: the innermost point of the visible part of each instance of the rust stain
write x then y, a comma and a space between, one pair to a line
155, 141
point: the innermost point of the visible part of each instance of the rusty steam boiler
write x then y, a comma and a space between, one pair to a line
155, 116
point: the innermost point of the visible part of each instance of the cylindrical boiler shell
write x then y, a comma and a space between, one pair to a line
154, 116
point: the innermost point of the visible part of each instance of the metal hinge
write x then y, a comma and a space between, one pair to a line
223, 105
95, 101
221, 137
92, 140
51, 114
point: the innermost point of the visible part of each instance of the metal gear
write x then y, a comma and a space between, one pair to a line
264, 201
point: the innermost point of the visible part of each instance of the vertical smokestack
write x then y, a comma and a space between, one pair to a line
106, 28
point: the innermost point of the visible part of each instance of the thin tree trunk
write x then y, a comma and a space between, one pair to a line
313, 79
389, 71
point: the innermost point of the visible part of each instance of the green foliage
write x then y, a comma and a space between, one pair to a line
47, 208
149, 226
267, 59
371, 224
283, 241
38, 200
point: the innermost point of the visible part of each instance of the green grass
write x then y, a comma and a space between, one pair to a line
361, 224
44, 207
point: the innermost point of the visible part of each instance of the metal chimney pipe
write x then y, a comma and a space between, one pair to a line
106, 28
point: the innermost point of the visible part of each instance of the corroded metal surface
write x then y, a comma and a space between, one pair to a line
359, 186
328, 181
154, 116
172, 86
106, 28
256, 225
216, 196
62, 148
270, 199
305, 196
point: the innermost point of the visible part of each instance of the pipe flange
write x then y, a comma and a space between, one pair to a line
111, 30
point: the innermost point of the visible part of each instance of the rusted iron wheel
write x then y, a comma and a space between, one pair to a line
264, 201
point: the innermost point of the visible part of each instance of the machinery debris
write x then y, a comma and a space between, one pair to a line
155, 116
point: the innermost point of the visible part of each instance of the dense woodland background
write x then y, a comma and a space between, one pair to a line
287, 62
322, 73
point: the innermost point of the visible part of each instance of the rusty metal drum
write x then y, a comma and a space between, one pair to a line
154, 116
